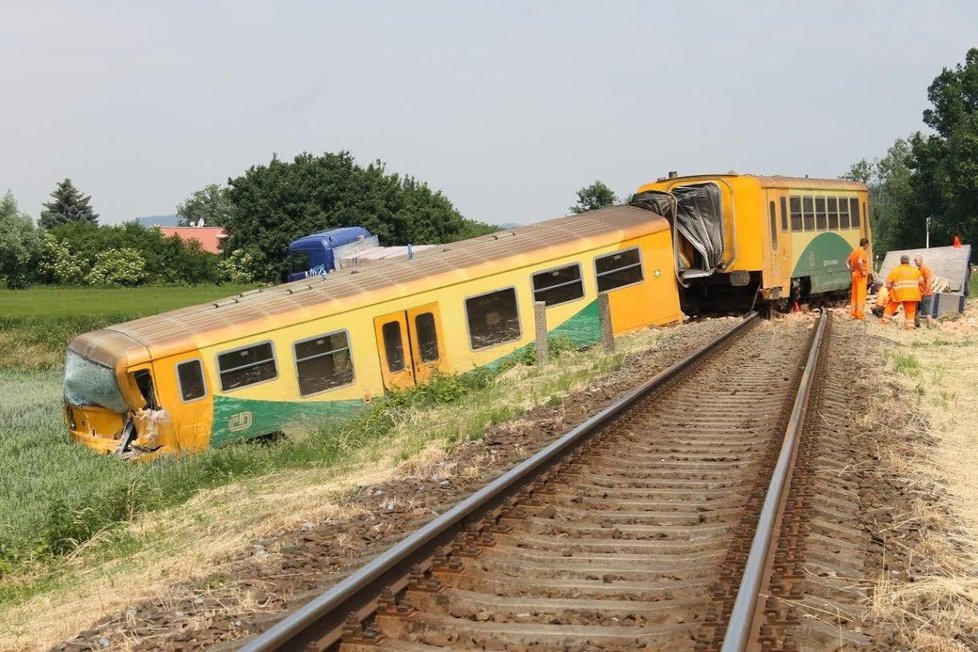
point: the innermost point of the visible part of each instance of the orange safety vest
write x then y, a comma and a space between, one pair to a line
858, 263
904, 283
927, 275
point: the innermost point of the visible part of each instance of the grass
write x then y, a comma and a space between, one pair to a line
36, 324
938, 607
56, 495
906, 364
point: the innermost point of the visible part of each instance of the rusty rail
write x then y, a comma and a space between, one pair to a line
743, 624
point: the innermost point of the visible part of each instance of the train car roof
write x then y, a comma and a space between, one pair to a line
774, 181
211, 323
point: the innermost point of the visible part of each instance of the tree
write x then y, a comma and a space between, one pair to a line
68, 205
274, 204
210, 207
20, 245
593, 197
890, 196
945, 163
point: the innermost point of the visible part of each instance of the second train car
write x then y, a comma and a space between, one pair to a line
247, 366
742, 238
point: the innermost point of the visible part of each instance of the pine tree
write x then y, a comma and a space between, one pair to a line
67, 205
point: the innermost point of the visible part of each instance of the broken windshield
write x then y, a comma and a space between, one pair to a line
88, 383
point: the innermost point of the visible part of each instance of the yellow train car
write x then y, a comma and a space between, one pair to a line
248, 365
738, 238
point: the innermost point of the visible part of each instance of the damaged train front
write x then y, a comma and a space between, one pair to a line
110, 400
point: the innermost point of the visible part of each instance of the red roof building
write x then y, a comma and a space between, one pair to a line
209, 237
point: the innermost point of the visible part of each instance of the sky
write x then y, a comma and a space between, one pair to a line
508, 107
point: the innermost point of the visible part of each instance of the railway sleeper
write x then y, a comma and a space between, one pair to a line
442, 630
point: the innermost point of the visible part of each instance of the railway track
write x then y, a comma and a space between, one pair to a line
657, 524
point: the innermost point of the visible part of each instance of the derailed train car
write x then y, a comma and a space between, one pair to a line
740, 239
247, 366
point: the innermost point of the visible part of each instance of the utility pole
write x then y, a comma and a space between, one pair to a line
927, 221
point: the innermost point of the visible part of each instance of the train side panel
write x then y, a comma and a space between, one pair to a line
268, 406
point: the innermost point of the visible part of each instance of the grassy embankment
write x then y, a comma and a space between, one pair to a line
66, 512
935, 374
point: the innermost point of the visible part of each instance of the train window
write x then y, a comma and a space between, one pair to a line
854, 212
820, 213
323, 362
558, 285
393, 345
774, 226
796, 213
424, 326
191, 377
247, 366
833, 210
784, 214
618, 269
808, 212
843, 213
493, 318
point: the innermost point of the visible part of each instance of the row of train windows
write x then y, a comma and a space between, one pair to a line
810, 213
324, 362
321, 363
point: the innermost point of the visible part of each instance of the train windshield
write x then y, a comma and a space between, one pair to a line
88, 383
699, 219
696, 215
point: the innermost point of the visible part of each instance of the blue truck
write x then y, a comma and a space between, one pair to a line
348, 246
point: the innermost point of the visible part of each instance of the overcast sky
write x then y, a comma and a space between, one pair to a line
507, 107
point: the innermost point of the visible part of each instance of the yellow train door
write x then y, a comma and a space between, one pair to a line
779, 251
411, 345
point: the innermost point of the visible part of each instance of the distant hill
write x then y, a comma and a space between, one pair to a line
162, 220
508, 225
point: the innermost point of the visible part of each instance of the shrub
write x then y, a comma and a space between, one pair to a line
117, 267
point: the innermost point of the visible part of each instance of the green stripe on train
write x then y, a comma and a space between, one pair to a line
241, 418
583, 329
237, 418
823, 261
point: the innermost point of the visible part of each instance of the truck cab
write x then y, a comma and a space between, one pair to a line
317, 253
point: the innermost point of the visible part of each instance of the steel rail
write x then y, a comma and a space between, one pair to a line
743, 615
320, 621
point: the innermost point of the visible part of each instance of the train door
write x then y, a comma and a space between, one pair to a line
780, 234
411, 345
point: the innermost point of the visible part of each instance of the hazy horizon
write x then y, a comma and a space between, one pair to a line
508, 108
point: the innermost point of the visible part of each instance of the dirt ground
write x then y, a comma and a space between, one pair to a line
922, 399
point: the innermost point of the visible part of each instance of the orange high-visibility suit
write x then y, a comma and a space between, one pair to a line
904, 284
925, 281
858, 264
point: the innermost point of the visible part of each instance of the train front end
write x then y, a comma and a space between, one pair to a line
109, 398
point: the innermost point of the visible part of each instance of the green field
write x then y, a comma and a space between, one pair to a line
92, 302
37, 324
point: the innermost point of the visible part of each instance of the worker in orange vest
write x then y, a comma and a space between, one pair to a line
858, 264
904, 286
926, 292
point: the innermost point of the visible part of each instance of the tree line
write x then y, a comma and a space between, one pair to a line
933, 175
262, 210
